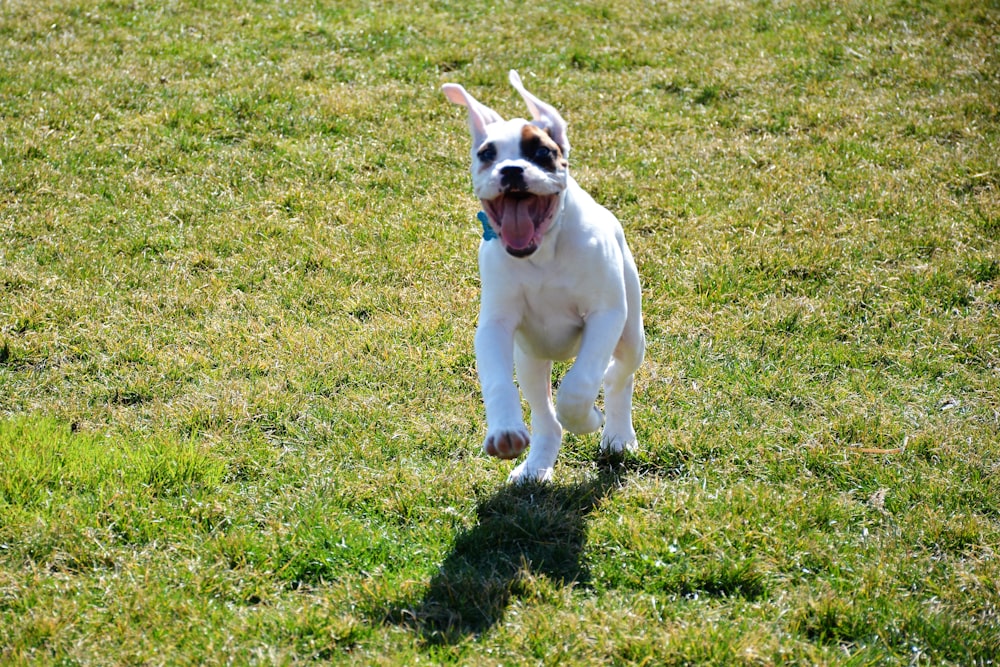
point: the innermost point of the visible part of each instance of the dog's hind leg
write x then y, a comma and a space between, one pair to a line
618, 435
534, 376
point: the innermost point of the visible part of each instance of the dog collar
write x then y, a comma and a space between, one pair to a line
488, 233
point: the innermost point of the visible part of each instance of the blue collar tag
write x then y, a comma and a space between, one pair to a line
488, 233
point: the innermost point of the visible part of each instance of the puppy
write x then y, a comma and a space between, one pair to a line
558, 281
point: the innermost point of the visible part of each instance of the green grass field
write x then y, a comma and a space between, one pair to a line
239, 415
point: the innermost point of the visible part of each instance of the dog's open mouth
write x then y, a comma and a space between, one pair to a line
521, 218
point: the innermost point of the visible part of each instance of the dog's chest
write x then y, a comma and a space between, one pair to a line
551, 322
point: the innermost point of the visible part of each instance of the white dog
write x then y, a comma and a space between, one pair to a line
558, 281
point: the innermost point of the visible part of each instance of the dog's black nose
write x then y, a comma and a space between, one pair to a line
512, 176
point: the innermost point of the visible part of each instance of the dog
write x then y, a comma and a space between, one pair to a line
558, 281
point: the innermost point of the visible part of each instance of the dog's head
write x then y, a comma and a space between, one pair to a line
519, 168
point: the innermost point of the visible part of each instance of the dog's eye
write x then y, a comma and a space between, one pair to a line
543, 153
487, 153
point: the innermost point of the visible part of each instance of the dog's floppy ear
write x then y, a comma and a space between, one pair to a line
545, 115
480, 115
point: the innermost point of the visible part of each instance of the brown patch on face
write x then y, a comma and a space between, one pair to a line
539, 148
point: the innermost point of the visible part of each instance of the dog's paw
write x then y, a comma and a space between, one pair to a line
616, 445
579, 419
524, 474
507, 443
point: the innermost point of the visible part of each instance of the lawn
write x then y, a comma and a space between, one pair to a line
239, 414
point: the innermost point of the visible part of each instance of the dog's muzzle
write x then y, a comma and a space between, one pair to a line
521, 218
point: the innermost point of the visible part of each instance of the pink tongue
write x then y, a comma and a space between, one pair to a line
517, 227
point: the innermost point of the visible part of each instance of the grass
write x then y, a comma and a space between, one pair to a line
239, 417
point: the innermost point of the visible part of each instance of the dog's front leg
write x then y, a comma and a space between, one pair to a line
506, 435
580, 386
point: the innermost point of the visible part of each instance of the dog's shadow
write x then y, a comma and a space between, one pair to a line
522, 530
